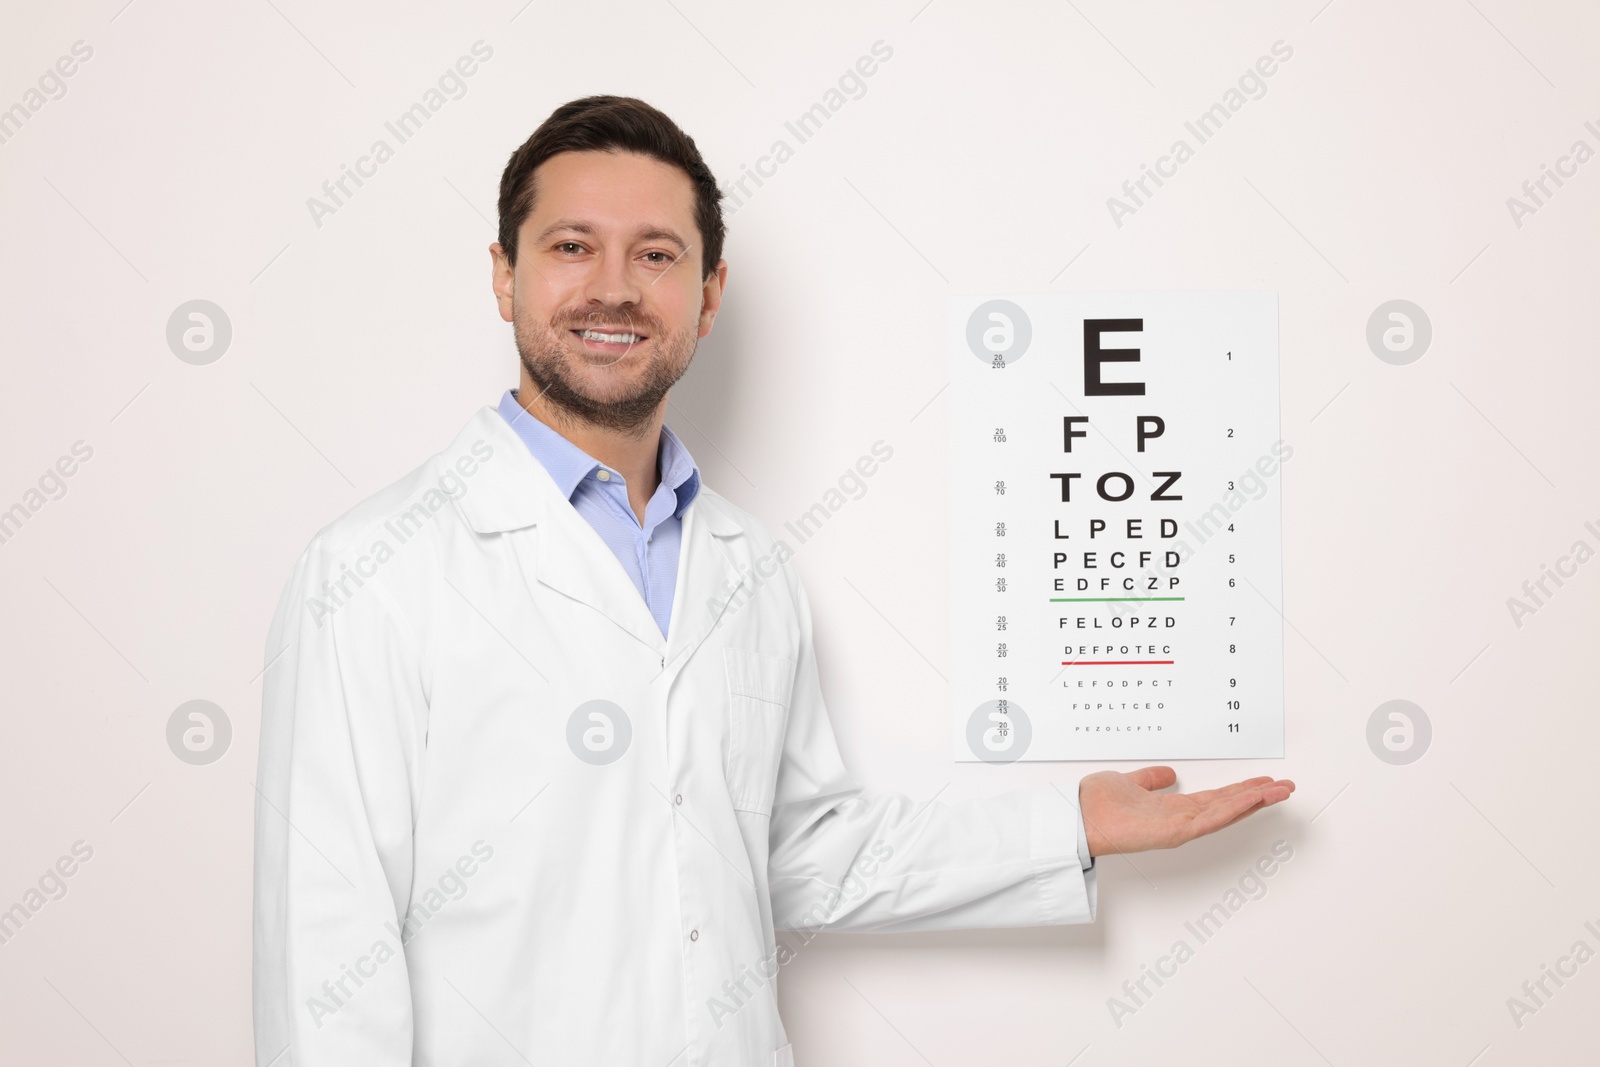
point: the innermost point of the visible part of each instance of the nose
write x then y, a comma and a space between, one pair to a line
613, 281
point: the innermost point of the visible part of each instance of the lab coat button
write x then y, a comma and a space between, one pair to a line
678, 799
694, 935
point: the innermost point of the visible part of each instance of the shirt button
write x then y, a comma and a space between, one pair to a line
678, 799
694, 935
603, 474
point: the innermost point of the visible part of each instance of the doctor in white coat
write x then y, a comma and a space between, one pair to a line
546, 775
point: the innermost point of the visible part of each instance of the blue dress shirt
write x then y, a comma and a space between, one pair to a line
648, 552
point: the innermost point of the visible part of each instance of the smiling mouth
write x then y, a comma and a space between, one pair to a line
610, 337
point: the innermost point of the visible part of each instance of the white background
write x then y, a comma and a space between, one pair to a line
1419, 498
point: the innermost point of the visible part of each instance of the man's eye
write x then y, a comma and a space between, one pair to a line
569, 247
662, 257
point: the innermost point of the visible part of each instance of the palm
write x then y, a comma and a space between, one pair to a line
1122, 813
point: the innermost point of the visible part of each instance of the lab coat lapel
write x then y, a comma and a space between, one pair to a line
570, 558
709, 580
555, 546
560, 551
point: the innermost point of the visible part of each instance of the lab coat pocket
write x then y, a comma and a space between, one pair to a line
758, 707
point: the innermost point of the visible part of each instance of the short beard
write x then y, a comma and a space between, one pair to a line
545, 359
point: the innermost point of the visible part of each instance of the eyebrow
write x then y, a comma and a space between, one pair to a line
654, 233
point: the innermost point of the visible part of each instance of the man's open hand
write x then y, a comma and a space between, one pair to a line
1122, 814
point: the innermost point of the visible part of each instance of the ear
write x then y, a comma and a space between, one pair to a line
711, 296
503, 279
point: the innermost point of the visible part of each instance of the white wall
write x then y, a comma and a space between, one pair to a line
1376, 166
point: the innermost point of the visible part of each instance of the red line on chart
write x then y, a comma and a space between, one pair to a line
1112, 662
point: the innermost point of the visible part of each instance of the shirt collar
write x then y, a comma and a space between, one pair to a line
568, 465
678, 470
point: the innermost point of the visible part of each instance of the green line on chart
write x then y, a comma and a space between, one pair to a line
1106, 599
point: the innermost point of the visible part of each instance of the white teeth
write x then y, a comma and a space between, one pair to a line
611, 338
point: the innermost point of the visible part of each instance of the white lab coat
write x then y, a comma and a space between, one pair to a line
442, 880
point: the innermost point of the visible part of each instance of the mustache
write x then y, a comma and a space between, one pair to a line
629, 319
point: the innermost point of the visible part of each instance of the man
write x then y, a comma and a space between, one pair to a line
544, 759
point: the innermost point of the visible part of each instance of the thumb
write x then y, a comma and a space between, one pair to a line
1153, 777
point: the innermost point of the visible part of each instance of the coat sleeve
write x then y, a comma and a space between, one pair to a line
342, 721
841, 859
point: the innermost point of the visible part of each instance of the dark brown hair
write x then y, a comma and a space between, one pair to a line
610, 124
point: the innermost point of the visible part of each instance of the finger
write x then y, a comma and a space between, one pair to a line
1225, 813
1153, 777
1206, 796
1269, 797
1278, 791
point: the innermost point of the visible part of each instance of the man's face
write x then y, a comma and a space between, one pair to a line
606, 300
